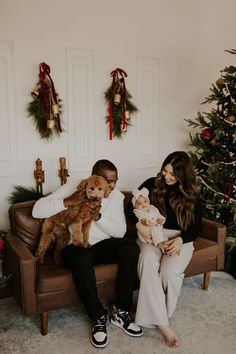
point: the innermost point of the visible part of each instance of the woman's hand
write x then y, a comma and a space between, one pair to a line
171, 247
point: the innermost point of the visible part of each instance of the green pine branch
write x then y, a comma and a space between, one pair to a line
22, 194
215, 95
198, 121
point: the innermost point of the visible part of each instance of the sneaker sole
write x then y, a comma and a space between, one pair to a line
120, 326
98, 345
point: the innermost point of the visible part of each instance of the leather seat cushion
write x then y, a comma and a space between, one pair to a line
52, 278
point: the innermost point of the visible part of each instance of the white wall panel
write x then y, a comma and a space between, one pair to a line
8, 156
191, 57
147, 101
80, 90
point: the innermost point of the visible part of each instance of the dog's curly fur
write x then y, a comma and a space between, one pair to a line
91, 191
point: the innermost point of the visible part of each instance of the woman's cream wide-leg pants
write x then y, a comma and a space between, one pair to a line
161, 278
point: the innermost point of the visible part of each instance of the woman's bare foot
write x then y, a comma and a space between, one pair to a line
170, 337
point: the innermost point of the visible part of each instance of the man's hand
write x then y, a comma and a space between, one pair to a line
72, 200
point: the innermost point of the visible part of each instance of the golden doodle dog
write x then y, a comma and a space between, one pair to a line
55, 228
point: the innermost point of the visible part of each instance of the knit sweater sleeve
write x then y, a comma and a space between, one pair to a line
54, 202
194, 230
112, 221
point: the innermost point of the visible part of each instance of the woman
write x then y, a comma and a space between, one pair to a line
161, 268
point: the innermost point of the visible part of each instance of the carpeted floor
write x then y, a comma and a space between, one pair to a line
205, 321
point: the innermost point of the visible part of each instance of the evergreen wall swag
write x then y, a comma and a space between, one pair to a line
45, 108
120, 107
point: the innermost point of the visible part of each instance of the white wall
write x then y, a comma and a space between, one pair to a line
185, 39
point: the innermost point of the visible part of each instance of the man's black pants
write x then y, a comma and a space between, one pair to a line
81, 261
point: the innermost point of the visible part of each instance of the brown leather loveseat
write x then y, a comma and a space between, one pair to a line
41, 288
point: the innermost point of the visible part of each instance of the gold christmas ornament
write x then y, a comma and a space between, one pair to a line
123, 129
35, 91
117, 98
51, 123
127, 115
220, 82
231, 118
55, 109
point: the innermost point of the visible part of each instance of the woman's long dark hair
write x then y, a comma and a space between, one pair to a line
183, 195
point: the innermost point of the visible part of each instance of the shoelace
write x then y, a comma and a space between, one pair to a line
100, 324
125, 316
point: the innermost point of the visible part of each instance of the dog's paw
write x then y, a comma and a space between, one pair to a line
78, 243
86, 245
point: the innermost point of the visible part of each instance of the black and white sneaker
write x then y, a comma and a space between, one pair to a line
99, 332
124, 320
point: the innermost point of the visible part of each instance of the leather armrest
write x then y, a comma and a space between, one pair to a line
21, 264
213, 230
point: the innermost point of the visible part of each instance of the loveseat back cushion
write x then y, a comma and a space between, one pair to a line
131, 231
23, 225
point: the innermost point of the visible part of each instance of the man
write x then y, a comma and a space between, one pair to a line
107, 246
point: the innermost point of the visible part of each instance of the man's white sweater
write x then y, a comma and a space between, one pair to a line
111, 224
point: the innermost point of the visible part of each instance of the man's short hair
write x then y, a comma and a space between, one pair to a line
102, 165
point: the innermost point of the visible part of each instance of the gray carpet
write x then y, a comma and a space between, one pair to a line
205, 321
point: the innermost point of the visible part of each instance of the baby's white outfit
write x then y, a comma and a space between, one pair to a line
156, 231
151, 215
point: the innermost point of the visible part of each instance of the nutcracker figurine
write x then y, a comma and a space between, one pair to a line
39, 176
63, 172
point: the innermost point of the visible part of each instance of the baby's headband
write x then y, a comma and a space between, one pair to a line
144, 192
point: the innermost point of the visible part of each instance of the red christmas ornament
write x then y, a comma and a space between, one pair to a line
206, 135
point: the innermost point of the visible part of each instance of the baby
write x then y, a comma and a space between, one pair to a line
150, 224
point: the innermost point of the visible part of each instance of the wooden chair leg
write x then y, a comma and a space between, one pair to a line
206, 280
44, 323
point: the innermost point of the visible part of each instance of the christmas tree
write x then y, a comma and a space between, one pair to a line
214, 150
